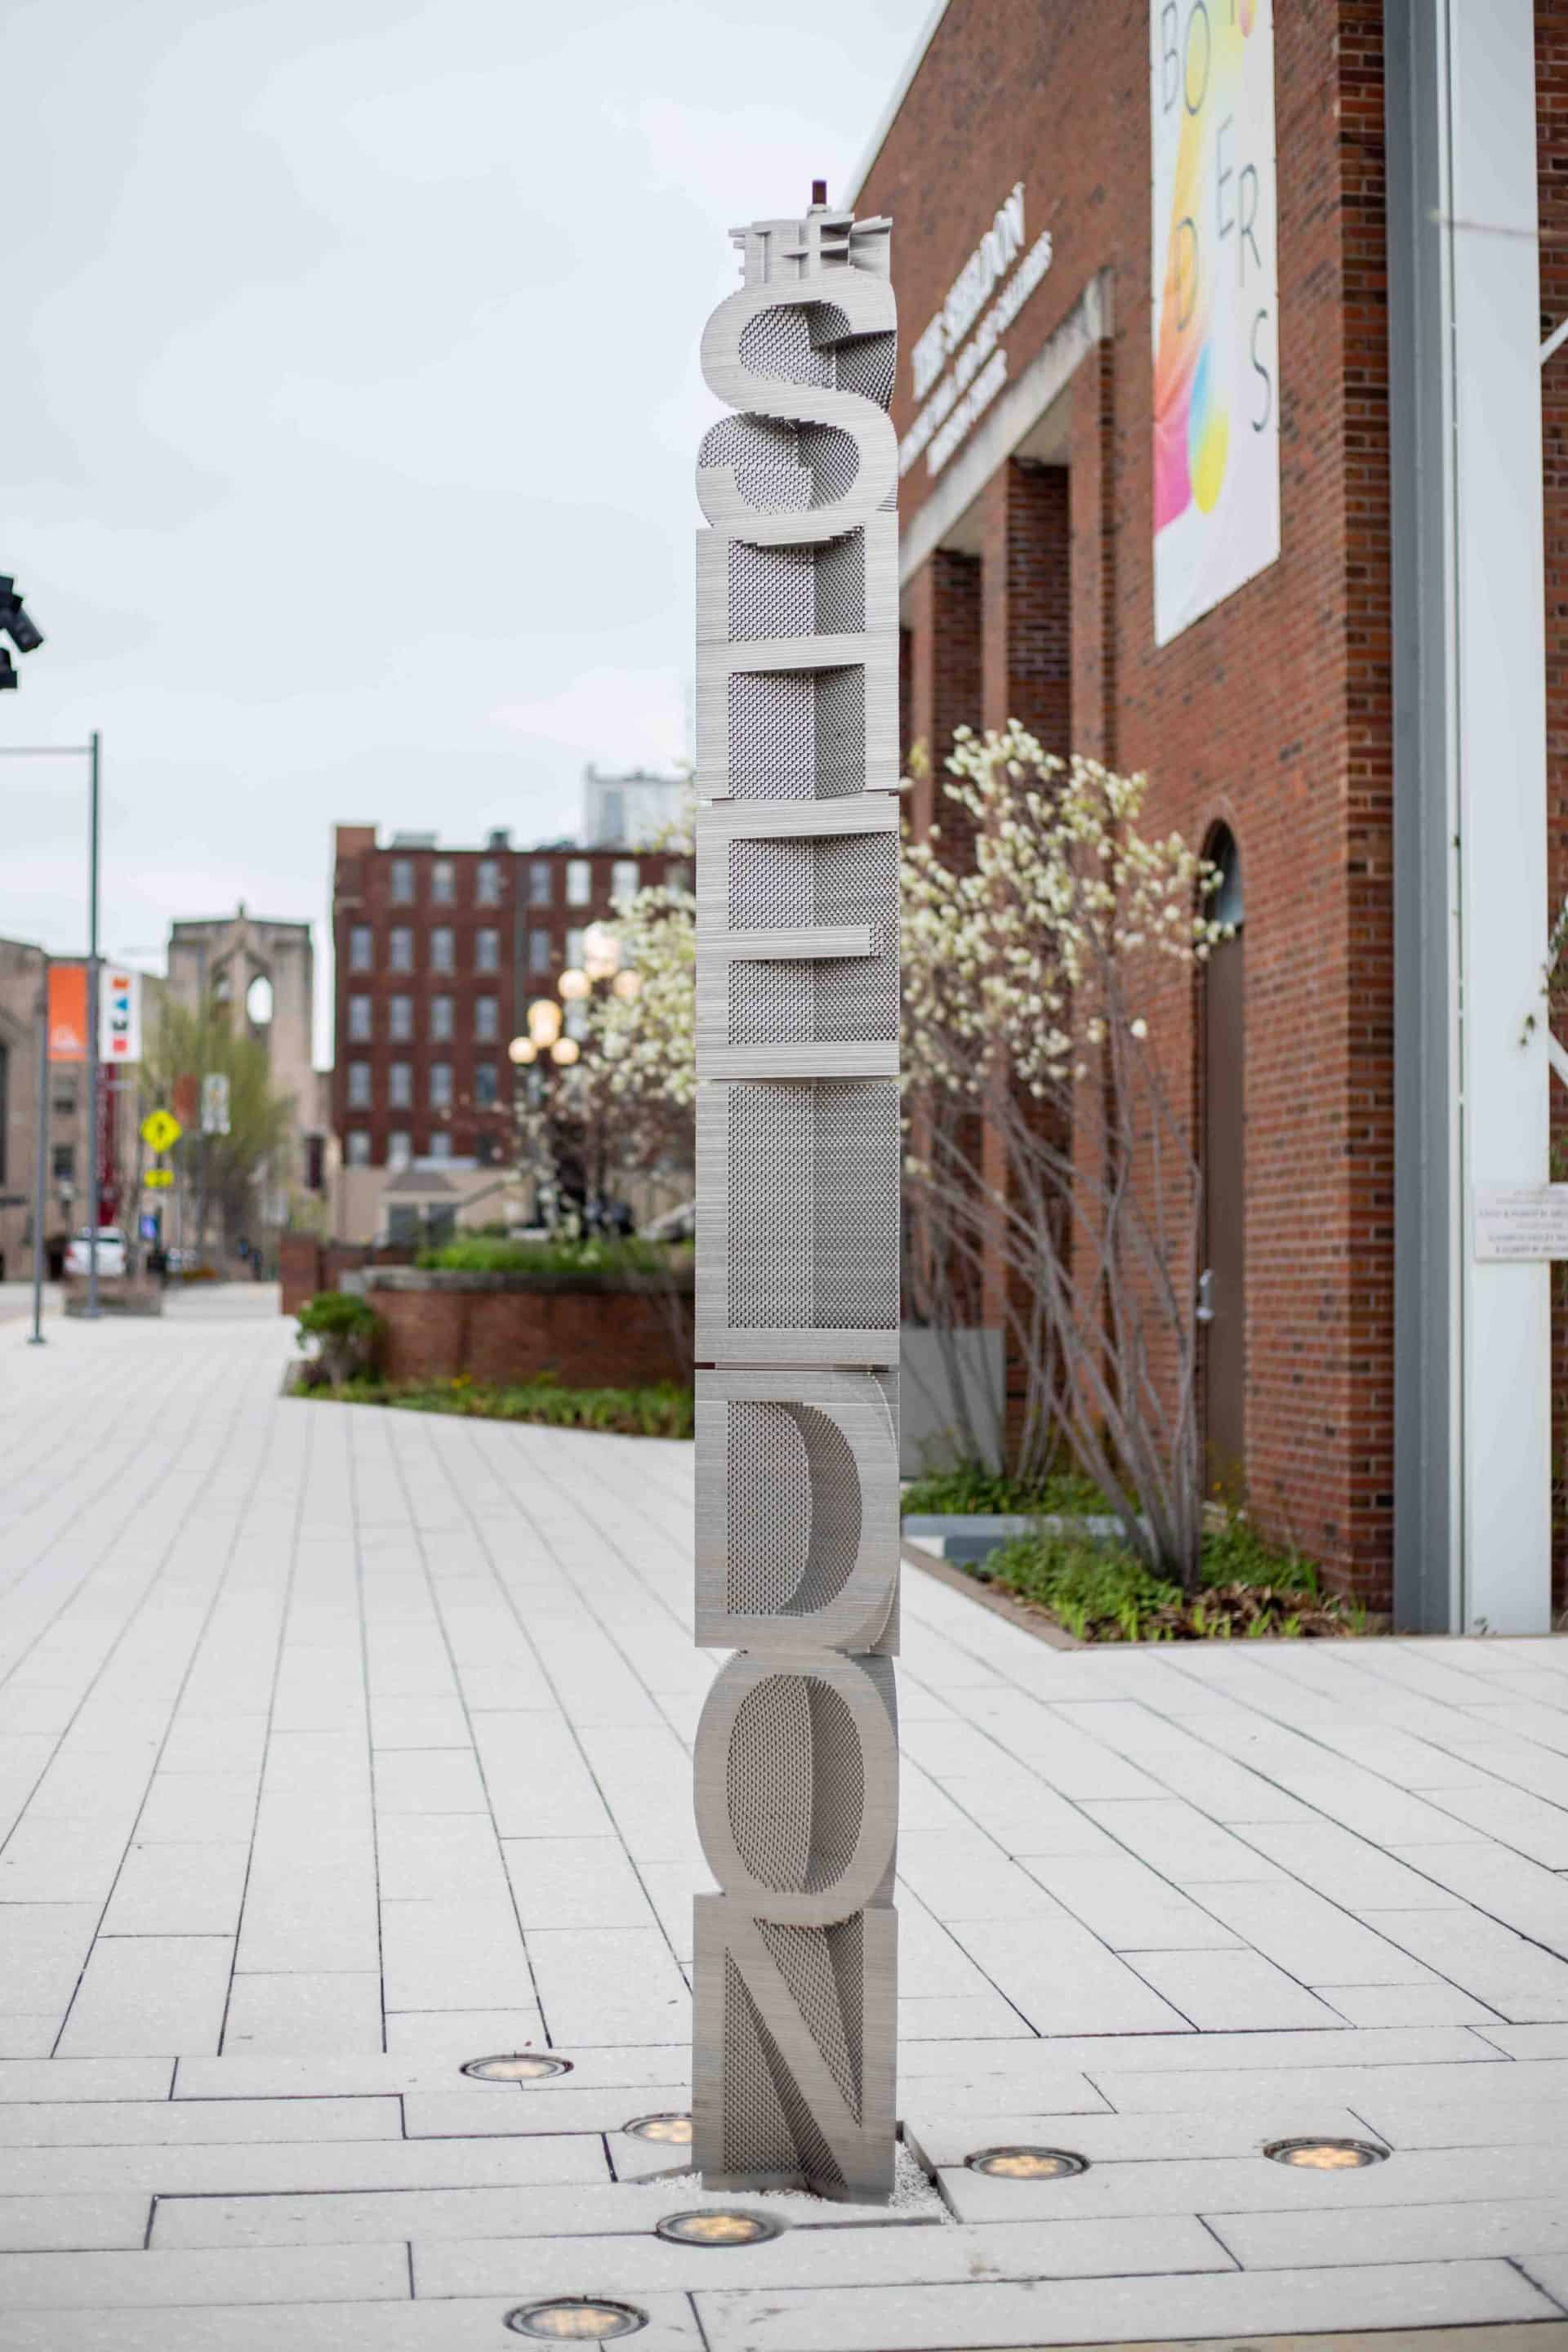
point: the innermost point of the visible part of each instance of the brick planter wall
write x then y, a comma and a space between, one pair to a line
508, 1329
306, 1265
298, 1269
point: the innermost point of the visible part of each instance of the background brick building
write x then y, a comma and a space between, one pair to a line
438, 953
1268, 723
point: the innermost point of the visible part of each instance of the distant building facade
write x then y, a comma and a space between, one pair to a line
21, 992
636, 811
439, 952
220, 959
67, 1163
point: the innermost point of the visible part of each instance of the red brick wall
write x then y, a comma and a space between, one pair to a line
1273, 711
362, 896
501, 1333
944, 677
298, 1269
1025, 603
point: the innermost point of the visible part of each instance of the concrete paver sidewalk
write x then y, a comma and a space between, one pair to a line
339, 1746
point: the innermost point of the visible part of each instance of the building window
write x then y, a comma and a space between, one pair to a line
579, 882
402, 881
623, 878
359, 1020
541, 885
62, 1159
577, 1020
442, 892
487, 1020
539, 951
678, 876
63, 1094
399, 1148
359, 1086
400, 1085
441, 947
400, 1018
485, 1085
487, 882
574, 950
440, 1148
441, 1020
360, 948
486, 950
440, 1085
356, 1147
400, 945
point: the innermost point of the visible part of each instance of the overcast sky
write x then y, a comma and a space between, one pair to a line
350, 406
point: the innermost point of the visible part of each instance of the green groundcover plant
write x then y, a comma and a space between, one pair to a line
1103, 1593
971, 1490
486, 1254
664, 1409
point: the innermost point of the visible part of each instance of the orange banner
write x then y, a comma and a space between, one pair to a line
68, 1012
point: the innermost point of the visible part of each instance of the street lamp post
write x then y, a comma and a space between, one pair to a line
41, 1153
92, 751
94, 1113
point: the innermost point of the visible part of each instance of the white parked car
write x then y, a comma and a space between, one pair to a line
110, 1252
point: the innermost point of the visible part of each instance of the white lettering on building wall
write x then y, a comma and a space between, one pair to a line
979, 364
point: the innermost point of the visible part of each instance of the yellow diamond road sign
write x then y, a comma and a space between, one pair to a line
161, 1130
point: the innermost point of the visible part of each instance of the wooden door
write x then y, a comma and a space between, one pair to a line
1222, 1291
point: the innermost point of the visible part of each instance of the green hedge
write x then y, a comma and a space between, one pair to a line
664, 1411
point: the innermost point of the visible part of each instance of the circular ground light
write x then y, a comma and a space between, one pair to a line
519, 2066
576, 2319
1026, 2163
717, 2227
1325, 2155
670, 2131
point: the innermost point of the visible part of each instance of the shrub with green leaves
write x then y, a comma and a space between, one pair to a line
346, 1332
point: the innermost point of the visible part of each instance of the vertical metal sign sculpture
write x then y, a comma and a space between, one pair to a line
798, 1168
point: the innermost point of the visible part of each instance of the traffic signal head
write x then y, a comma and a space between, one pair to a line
15, 620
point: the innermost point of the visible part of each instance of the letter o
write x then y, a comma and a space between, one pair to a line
732, 1793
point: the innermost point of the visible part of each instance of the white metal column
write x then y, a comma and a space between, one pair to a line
1473, 1389
1499, 679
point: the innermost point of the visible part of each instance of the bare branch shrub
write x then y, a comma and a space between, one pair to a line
1048, 1162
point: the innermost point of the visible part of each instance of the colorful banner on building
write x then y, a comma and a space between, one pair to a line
1216, 304
68, 1012
120, 1015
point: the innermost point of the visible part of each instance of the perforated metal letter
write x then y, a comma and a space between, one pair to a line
798, 1157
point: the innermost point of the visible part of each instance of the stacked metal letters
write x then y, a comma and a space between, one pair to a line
798, 1165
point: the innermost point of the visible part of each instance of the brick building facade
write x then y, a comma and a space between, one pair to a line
438, 953
1028, 593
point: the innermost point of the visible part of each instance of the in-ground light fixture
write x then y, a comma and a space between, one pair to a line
1325, 2155
717, 2225
518, 2066
667, 2130
1026, 2163
576, 2319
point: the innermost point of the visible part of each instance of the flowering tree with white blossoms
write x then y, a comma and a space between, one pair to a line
647, 1043
1051, 1179
1050, 1172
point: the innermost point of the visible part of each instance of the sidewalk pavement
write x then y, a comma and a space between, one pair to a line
339, 1746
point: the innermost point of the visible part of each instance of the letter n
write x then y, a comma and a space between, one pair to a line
794, 2071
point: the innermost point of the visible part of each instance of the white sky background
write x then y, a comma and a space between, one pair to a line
349, 404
